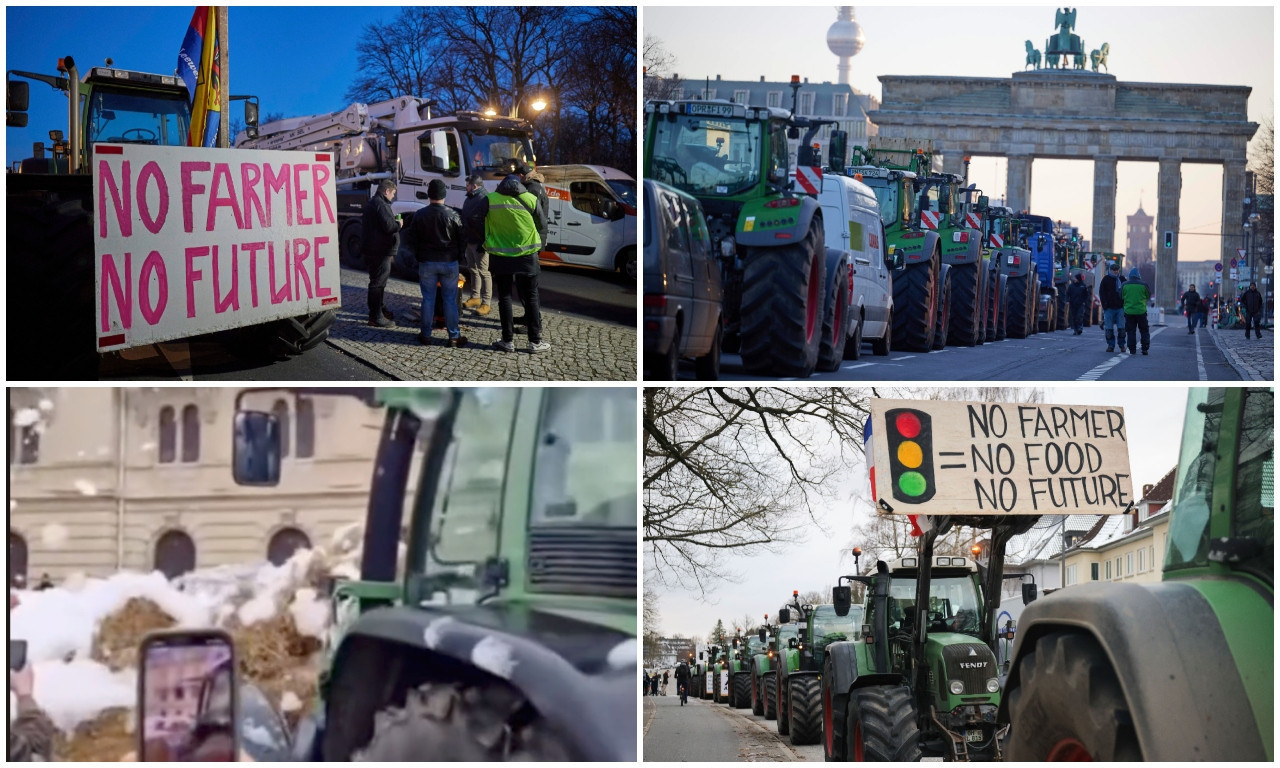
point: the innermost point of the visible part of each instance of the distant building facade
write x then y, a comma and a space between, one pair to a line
1138, 238
140, 478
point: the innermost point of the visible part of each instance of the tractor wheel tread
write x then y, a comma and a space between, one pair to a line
913, 327
773, 318
806, 709
965, 322
886, 715
833, 347
770, 680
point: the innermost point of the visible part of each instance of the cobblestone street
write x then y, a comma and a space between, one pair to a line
1253, 359
581, 349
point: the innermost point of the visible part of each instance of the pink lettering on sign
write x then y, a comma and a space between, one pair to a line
120, 201
277, 184
319, 262
153, 174
299, 195
253, 249
117, 290
280, 294
250, 176
121, 289
153, 267
221, 179
319, 177
189, 190
301, 252
193, 276
231, 300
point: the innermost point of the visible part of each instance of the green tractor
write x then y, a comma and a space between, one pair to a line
779, 639
511, 633
1180, 669
893, 168
738, 669
953, 210
762, 665
1013, 303
800, 661
735, 160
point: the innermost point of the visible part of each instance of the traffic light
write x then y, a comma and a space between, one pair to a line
910, 455
1168, 238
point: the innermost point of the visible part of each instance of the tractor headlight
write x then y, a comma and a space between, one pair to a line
993, 685
956, 687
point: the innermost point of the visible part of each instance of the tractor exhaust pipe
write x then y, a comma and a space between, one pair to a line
68, 65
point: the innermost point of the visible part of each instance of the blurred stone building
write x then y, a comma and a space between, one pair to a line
106, 478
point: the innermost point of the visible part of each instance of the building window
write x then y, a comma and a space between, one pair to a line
284, 543
175, 554
1093, 571
775, 99
306, 418
190, 434
708, 93
168, 436
1108, 571
1071, 575
281, 411
1119, 570
17, 561
840, 104
741, 97
806, 103
1142, 561
1151, 555
1128, 564
677, 94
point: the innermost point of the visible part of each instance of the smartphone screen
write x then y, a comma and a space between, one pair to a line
17, 654
187, 698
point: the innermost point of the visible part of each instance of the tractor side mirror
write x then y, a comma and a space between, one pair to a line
842, 598
784, 615
763, 635
702, 655
1028, 593
255, 458
17, 98
836, 149
793, 133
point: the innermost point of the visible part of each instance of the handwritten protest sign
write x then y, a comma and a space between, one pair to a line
951, 458
190, 240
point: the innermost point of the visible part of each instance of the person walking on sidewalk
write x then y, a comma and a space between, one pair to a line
1191, 306
1077, 295
438, 245
511, 220
480, 282
380, 240
1136, 294
1112, 306
1251, 302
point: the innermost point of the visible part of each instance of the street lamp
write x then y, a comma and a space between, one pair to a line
490, 112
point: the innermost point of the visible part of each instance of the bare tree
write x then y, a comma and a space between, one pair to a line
1262, 154
736, 469
660, 79
650, 624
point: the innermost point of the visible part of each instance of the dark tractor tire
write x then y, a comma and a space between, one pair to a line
740, 690
770, 696
882, 726
707, 367
52, 287
882, 346
1068, 705
757, 695
782, 298
1063, 313
806, 709
452, 722
915, 295
980, 302
835, 315
286, 338
625, 263
1016, 322
1002, 310
965, 295
853, 347
784, 716
349, 247
944, 308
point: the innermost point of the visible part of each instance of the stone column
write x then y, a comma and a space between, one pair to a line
1018, 187
953, 161
1166, 288
1232, 217
1104, 204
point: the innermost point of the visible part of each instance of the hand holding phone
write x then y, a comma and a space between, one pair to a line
17, 654
187, 697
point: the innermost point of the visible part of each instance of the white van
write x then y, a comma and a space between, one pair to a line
851, 223
592, 217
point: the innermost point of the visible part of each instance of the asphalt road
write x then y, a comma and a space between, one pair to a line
707, 732
602, 296
1175, 355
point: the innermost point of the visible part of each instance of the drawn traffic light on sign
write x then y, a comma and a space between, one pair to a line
910, 434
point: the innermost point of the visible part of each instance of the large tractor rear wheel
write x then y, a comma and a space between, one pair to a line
782, 298
741, 690
770, 680
757, 694
1068, 705
835, 314
1063, 315
915, 298
1017, 324
965, 305
1002, 307
806, 709
882, 726
944, 307
453, 722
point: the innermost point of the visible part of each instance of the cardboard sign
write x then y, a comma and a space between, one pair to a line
931, 457
724, 684
190, 240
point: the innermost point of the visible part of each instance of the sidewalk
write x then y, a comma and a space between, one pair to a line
581, 349
1253, 359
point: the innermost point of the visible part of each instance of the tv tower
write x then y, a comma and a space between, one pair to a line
845, 40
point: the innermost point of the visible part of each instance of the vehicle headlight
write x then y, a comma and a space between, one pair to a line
957, 687
993, 685
728, 247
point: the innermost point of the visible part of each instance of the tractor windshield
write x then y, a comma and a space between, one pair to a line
496, 150
888, 197
954, 605
830, 628
584, 469
129, 116
707, 156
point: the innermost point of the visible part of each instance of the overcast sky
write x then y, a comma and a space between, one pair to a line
1154, 419
1196, 44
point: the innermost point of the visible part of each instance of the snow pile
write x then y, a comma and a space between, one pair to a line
77, 691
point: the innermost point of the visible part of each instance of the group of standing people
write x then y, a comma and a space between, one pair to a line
1125, 301
496, 238
1195, 307
652, 682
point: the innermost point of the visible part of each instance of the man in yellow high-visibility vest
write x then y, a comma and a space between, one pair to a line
511, 220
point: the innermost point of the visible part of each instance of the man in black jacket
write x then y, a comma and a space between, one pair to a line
1112, 306
532, 181
1191, 306
380, 230
1251, 302
1077, 295
438, 244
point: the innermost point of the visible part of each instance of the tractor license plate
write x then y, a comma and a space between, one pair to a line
972, 735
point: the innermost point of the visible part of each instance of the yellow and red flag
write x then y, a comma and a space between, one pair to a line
198, 67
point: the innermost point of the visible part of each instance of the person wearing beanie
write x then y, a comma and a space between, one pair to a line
439, 243
1191, 306
534, 181
1112, 306
479, 287
380, 240
1136, 294
1077, 295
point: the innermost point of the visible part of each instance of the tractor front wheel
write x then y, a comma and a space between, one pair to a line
882, 726
489, 722
1068, 705
782, 303
741, 692
806, 709
915, 298
757, 697
770, 680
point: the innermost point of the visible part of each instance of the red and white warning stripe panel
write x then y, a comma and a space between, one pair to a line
997, 241
973, 220
930, 219
809, 178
